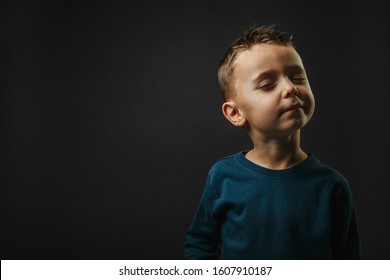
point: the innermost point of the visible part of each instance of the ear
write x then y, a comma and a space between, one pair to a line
233, 114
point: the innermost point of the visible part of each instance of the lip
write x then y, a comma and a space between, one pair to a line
293, 108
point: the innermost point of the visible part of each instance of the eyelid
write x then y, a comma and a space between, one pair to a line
265, 84
299, 78
267, 80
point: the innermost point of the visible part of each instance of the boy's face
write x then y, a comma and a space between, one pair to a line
272, 93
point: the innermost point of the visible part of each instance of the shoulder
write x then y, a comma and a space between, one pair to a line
328, 173
225, 164
226, 167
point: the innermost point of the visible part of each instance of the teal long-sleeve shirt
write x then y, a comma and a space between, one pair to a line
250, 212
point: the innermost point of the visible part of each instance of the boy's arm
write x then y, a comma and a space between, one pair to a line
203, 236
345, 231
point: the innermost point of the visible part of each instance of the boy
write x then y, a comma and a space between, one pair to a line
274, 201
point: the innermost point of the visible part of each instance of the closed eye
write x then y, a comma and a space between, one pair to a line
266, 85
297, 75
299, 79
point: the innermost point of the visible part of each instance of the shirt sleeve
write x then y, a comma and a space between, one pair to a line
344, 225
203, 236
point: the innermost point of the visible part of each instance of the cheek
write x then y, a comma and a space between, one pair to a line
310, 100
262, 110
313, 100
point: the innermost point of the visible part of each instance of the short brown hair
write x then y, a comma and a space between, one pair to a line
255, 34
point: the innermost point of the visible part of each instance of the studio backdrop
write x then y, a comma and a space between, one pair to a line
111, 118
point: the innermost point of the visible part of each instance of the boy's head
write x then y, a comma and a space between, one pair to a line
265, 34
264, 84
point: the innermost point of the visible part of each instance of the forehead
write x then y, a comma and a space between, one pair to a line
266, 57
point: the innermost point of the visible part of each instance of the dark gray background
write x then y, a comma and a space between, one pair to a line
110, 118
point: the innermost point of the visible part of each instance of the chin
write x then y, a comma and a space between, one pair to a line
293, 128
298, 124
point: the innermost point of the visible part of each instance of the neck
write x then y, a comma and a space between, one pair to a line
277, 153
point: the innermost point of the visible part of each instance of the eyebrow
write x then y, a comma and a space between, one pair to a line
296, 67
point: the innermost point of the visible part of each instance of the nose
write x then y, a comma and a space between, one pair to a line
289, 89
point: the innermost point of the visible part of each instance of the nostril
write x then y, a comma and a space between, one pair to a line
296, 92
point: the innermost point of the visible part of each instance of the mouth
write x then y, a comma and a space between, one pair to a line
294, 108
